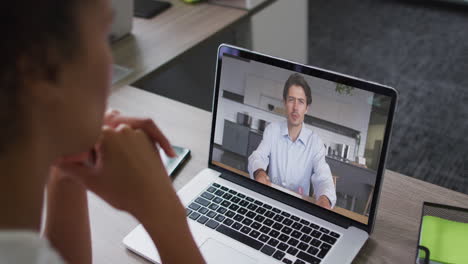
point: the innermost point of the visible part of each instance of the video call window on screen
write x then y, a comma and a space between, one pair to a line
312, 138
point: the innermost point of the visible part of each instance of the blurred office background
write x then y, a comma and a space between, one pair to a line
418, 47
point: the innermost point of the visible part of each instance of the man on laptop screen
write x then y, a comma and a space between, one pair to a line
293, 154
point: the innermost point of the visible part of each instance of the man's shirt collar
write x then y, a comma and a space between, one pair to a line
303, 135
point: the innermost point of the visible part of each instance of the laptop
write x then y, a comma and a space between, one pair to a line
320, 199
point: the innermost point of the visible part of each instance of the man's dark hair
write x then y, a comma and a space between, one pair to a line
298, 80
37, 37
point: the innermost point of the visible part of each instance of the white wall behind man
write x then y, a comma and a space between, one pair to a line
281, 30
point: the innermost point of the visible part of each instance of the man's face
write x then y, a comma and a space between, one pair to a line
296, 105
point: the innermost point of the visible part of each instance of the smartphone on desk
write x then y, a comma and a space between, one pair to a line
172, 164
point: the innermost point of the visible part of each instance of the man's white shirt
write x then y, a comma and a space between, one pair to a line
294, 164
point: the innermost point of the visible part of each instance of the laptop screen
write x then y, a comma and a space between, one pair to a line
317, 139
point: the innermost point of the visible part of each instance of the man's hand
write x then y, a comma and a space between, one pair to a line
324, 202
262, 177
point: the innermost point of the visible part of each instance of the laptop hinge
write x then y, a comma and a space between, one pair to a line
287, 199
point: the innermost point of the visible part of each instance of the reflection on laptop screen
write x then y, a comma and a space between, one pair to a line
312, 138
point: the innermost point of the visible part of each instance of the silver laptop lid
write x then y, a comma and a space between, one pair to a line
316, 137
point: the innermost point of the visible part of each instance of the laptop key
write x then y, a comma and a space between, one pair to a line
283, 237
316, 234
267, 206
228, 222
308, 258
250, 214
236, 226
293, 242
260, 210
286, 230
249, 199
217, 200
213, 206
242, 211
257, 202
267, 250
278, 218
282, 246
292, 251
254, 234
244, 203
299, 261
216, 185
296, 234
269, 214
211, 214
225, 203
335, 235
268, 222
194, 206
263, 238
238, 217
274, 233
295, 218
306, 229
221, 210
287, 261
241, 195
305, 222
306, 238
312, 250
328, 239
211, 189
287, 222
297, 226
245, 229
203, 210
315, 242
230, 213
207, 196
259, 218
219, 193
194, 215
235, 199
322, 253
277, 226
273, 242
314, 226
256, 226
279, 254
239, 237
224, 188
302, 246
247, 221
219, 218
252, 207
286, 214
265, 229
276, 210
212, 224
232, 192
202, 219
324, 230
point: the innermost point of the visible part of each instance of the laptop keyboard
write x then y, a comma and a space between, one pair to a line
261, 226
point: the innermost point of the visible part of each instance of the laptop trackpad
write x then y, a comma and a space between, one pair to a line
216, 252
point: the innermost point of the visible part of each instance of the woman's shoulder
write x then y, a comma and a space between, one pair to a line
26, 247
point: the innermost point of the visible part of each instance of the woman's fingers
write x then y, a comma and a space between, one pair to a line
114, 119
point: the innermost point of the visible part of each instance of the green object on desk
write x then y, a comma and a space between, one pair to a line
191, 1
446, 240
